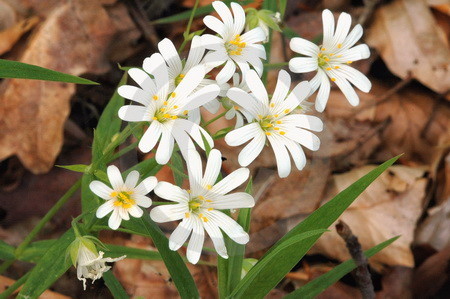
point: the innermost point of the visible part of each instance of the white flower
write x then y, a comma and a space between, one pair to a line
230, 47
332, 59
124, 198
166, 110
274, 121
178, 70
198, 207
89, 262
234, 110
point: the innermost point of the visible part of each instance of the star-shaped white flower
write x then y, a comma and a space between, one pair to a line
198, 208
234, 110
166, 110
275, 121
124, 198
332, 59
178, 70
230, 47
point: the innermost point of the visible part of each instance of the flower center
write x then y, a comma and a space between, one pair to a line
235, 46
178, 79
123, 199
166, 111
269, 124
196, 204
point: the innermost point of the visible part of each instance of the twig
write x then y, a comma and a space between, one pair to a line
361, 274
137, 12
369, 8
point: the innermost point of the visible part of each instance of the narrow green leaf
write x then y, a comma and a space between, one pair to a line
282, 7
174, 263
320, 284
50, 267
36, 250
132, 253
6, 251
88, 200
114, 286
74, 167
145, 168
20, 70
255, 286
177, 168
108, 124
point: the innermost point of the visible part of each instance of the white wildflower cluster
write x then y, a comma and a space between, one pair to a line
223, 71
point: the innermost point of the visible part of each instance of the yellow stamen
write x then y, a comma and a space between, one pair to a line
349, 62
187, 214
276, 128
208, 200
208, 187
278, 121
236, 107
205, 219
286, 111
333, 79
175, 107
155, 118
200, 215
336, 67
185, 112
260, 116
268, 133
201, 197
339, 46
188, 191
173, 94
174, 117
282, 133
210, 209
155, 97
328, 68
276, 115
331, 54
323, 49
166, 115
272, 105
114, 194
165, 103
327, 59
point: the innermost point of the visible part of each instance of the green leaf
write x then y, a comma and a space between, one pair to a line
36, 250
255, 286
177, 168
145, 168
114, 286
289, 33
174, 263
20, 70
132, 253
320, 284
88, 200
50, 267
6, 251
282, 7
74, 167
185, 15
108, 124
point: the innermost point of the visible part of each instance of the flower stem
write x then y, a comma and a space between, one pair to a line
214, 119
188, 28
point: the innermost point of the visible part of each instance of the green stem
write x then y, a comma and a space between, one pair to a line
161, 203
12, 288
123, 151
173, 168
188, 28
214, 119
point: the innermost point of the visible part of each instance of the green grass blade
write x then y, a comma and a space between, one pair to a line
320, 284
114, 286
256, 286
6, 251
20, 70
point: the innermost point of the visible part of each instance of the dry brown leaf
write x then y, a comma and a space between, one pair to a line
408, 39
7, 16
6, 282
389, 207
10, 36
435, 230
73, 39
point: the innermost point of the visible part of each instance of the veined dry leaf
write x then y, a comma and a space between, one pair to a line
389, 207
10, 36
408, 39
435, 230
73, 39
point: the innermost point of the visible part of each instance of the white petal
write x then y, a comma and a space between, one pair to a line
165, 148
190, 82
170, 54
255, 35
354, 54
324, 91
252, 150
233, 201
133, 113
100, 189
229, 226
195, 116
202, 96
115, 177
243, 134
181, 233
226, 73
342, 29
135, 211
216, 236
239, 18
212, 42
195, 53
195, 246
168, 213
134, 93
297, 153
298, 95
195, 171
171, 192
256, 62
143, 79
281, 155
328, 25
353, 37
146, 186
304, 137
257, 49
156, 66
195, 132
212, 106
105, 209
246, 101
213, 166
123, 213
142, 200
216, 25
224, 13
257, 87
304, 47
309, 122
315, 81
132, 179
356, 78
231, 181
115, 220
282, 87
348, 91
303, 64
150, 137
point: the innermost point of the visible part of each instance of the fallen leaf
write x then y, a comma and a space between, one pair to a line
396, 283
7, 16
73, 39
389, 207
408, 39
10, 36
6, 282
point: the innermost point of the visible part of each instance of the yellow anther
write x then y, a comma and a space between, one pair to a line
166, 115
208, 200
349, 62
174, 117
323, 49
286, 111
187, 215
114, 194
162, 109
155, 97
320, 54
165, 103
276, 128
155, 118
117, 203
236, 107
336, 67
339, 56
328, 68
173, 94
260, 116
201, 197
276, 115
272, 105
127, 205
333, 79
282, 133
210, 209
268, 133
339, 46
175, 107
205, 219
331, 54
278, 121
327, 59
181, 75
208, 187
185, 112
188, 191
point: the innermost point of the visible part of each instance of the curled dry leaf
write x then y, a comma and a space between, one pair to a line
389, 207
409, 40
73, 39
10, 36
